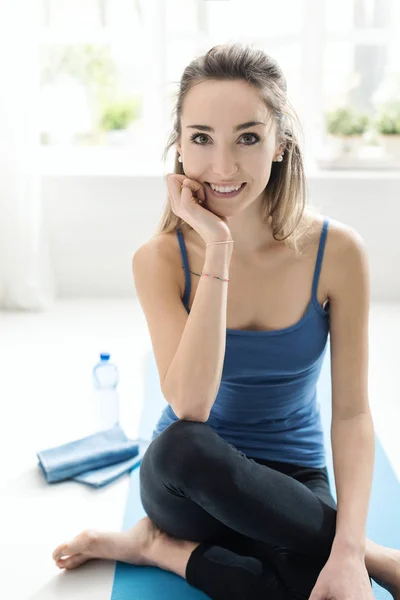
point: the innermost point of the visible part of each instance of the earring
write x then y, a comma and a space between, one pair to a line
280, 158
180, 158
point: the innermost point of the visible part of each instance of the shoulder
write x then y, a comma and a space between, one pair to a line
346, 258
345, 253
162, 244
161, 248
344, 238
339, 235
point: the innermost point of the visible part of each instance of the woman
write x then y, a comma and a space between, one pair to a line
234, 482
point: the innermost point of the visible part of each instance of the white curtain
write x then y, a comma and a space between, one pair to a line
26, 281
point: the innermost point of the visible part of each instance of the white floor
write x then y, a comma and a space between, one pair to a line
46, 361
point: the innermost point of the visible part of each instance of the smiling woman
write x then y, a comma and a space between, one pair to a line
255, 387
235, 476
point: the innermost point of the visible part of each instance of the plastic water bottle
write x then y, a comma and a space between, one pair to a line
105, 394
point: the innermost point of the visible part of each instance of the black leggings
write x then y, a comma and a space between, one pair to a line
266, 528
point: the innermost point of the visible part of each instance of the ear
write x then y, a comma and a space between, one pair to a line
279, 150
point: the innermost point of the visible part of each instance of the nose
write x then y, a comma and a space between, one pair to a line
224, 164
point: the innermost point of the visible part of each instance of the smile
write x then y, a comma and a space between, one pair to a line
231, 194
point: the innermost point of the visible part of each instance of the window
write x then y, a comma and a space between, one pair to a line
110, 68
361, 60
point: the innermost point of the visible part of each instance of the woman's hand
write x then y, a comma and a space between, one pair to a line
186, 197
343, 577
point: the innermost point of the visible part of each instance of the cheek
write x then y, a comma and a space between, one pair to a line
196, 162
261, 164
194, 156
193, 167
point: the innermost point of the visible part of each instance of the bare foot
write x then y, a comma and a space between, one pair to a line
132, 546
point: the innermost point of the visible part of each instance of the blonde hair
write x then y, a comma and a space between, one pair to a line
284, 203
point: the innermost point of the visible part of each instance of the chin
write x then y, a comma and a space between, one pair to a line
229, 212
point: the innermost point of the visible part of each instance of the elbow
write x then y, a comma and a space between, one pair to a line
198, 411
187, 415
198, 419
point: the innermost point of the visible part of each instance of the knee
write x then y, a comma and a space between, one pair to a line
177, 445
186, 429
183, 436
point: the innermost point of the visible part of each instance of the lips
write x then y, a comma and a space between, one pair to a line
226, 185
225, 195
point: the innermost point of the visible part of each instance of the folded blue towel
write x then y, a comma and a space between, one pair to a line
96, 460
101, 477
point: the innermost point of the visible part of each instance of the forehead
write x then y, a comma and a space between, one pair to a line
223, 103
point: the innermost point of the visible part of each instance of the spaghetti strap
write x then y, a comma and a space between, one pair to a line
320, 257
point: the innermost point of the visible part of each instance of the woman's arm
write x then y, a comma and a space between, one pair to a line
352, 431
353, 452
189, 349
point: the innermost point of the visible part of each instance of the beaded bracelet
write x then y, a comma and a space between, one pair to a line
200, 274
214, 276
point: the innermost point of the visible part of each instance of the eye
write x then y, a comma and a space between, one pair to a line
254, 135
202, 135
197, 135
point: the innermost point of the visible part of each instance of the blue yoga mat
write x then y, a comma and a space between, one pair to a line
150, 583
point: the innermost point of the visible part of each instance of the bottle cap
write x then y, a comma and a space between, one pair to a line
105, 356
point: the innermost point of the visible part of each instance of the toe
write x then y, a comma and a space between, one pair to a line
71, 562
84, 542
60, 551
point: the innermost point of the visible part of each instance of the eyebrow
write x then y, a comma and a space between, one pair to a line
237, 128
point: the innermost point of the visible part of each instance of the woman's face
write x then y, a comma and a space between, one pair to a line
217, 152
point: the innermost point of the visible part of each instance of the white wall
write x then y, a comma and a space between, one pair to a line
95, 223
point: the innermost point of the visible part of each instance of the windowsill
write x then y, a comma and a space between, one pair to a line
122, 162
353, 171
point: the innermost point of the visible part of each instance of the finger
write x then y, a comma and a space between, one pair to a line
196, 187
174, 183
176, 178
187, 195
174, 193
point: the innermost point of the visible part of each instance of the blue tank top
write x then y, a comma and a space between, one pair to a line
267, 405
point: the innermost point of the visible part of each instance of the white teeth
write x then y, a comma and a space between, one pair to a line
225, 189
